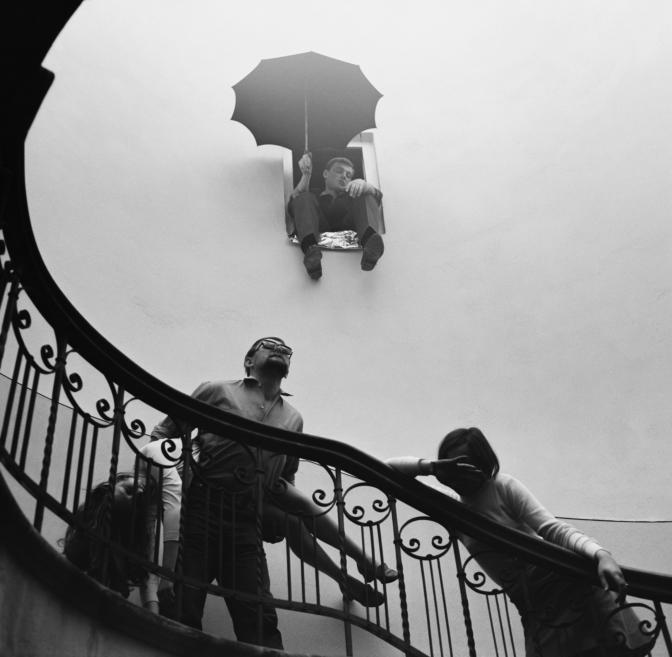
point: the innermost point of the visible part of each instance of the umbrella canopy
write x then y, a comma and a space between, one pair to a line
305, 101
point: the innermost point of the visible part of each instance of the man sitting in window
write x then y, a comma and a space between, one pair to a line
344, 204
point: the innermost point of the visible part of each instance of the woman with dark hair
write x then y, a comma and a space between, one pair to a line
561, 616
122, 515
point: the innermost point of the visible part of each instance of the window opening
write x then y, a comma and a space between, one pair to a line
361, 151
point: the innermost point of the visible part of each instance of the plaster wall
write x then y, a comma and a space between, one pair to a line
525, 155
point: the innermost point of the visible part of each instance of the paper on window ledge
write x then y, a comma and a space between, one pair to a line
342, 239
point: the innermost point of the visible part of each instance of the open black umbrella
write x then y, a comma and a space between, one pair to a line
305, 100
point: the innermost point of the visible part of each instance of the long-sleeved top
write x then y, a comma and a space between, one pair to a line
508, 502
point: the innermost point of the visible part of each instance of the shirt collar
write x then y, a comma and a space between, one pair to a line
248, 380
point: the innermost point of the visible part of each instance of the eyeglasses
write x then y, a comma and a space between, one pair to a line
275, 347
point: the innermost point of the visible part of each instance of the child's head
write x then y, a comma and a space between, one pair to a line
472, 444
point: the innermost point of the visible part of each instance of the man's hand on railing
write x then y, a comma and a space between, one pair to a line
611, 575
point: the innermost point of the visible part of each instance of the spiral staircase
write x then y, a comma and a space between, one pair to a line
52, 449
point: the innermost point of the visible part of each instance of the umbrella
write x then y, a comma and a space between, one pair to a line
305, 99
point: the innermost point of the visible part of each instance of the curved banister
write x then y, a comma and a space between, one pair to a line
59, 312
25, 86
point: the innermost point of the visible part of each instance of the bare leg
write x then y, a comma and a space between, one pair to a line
315, 520
308, 549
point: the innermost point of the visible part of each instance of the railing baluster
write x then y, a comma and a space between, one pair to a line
92, 460
662, 621
29, 419
445, 608
501, 625
375, 580
403, 600
492, 624
428, 616
463, 598
386, 606
59, 372
18, 420
68, 458
508, 621
9, 406
314, 549
10, 309
340, 506
302, 571
108, 501
4, 273
80, 462
436, 607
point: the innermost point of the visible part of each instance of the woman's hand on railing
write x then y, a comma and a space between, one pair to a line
610, 574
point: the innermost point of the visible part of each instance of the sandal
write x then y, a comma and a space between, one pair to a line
382, 572
363, 593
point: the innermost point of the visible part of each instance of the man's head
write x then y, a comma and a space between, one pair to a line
338, 172
268, 354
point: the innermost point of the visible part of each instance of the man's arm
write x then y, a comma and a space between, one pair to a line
359, 187
169, 428
306, 167
292, 462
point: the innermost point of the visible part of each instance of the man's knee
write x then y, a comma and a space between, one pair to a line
302, 200
368, 203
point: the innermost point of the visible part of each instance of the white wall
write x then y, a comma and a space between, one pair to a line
525, 155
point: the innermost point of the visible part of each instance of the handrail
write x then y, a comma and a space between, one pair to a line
26, 85
89, 343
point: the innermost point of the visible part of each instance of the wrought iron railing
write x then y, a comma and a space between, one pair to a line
442, 603
58, 441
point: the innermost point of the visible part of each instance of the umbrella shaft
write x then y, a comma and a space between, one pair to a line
305, 121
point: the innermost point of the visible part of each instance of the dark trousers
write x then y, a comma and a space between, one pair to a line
217, 549
344, 213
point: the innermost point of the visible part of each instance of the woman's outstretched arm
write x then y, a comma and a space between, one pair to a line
551, 529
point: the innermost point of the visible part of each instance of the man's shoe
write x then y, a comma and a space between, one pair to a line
373, 249
312, 261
